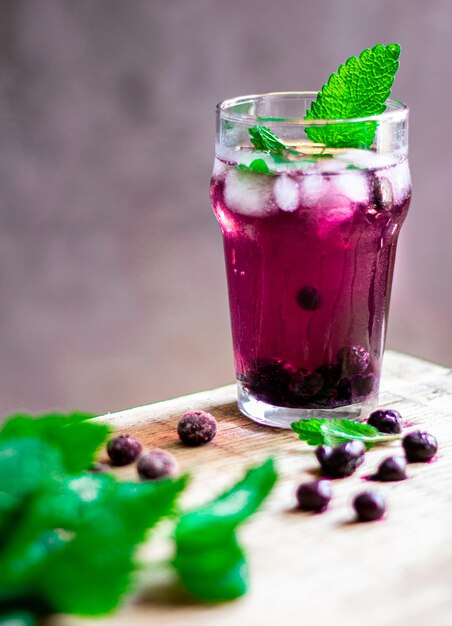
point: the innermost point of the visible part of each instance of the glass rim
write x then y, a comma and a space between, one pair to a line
397, 113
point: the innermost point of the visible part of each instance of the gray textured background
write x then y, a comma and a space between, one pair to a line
111, 270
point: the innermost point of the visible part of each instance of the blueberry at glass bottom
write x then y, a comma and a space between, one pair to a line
277, 382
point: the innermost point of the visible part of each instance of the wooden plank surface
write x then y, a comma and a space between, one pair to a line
314, 569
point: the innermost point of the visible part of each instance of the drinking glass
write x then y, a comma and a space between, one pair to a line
310, 235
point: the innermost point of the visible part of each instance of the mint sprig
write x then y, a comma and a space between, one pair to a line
210, 561
264, 140
332, 432
359, 88
258, 166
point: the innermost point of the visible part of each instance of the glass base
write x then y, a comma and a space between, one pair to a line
282, 417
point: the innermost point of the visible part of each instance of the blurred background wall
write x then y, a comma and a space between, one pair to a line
112, 287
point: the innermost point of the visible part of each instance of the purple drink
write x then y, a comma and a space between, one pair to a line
309, 251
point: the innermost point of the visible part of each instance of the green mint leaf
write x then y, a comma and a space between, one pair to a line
214, 573
334, 431
74, 549
337, 431
259, 166
209, 560
76, 439
105, 541
214, 521
264, 140
359, 88
310, 431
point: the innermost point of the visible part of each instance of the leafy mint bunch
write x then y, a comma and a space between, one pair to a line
331, 432
68, 538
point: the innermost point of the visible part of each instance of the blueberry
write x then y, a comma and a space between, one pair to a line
369, 506
157, 464
306, 385
353, 360
330, 373
308, 298
362, 385
123, 449
419, 446
269, 380
344, 390
391, 469
342, 460
196, 428
386, 421
314, 496
382, 194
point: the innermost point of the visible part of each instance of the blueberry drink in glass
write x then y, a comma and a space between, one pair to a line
310, 191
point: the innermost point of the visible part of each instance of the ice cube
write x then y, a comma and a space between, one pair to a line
400, 178
366, 159
338, 211
248, 193
353, 185
286, 193
330, 165
335, 211
312, 189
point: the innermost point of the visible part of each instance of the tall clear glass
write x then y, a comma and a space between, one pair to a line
310, 236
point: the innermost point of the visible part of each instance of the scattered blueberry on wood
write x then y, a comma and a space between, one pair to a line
123, 449
342, 460
369, 506
157, 464
392, 468
386, 421
196, 428
314, 496
419, 446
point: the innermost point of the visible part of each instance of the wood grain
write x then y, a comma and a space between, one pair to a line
314, 569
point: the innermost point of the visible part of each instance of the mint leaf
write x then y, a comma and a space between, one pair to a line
258, 166
105, 539
334, 431
210, 562
359, 88
264, 140
214, 521
214, 573
310, 431
337, 431
76, 439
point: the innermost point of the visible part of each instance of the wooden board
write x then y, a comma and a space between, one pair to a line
314, 569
